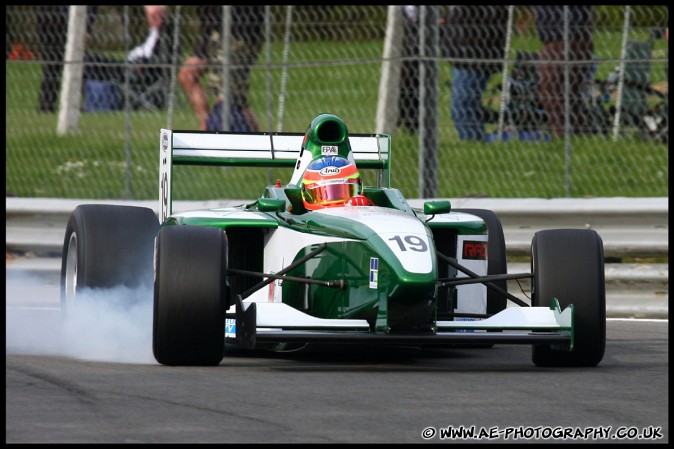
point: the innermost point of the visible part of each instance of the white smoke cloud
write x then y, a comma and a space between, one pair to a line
111, 325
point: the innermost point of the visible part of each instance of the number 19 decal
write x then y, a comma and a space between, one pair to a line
410, 241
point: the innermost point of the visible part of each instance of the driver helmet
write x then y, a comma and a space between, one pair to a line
329, 182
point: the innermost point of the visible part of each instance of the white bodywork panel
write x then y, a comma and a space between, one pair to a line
515, 318
280, 247
282, 315
471, 298
389, 223
225, 212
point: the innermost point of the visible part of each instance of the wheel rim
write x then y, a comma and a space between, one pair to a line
71, 272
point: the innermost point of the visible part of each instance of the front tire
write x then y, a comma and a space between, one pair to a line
568, 264
190, 296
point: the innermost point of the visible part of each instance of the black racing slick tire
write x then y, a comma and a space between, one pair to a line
496, 253
190, 296
568, 264
106, 246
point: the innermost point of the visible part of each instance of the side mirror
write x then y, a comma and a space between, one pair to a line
437, 207
271, 205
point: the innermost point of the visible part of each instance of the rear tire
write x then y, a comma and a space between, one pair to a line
106, 246
190, 296
568, 264
497, 261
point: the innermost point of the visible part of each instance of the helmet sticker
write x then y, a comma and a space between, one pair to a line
329, 150
330, 171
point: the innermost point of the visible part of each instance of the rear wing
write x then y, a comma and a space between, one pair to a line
370, 151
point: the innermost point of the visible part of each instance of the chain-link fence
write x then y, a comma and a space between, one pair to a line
495, 101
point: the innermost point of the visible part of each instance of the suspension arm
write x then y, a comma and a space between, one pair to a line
340, 284
496, 277
452, 261
292, 266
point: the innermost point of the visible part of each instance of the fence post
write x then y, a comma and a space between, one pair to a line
506, 77
567, 105
429, 50
71, 86
268, 77
174, 69
284, 68
621, 74
127, 108
389, 82
226, 64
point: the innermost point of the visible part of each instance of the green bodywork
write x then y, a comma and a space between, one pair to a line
401, 300
326, 129
386, 306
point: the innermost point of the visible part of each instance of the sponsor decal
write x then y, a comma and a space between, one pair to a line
330, 171
468, 330
465, 319
374, 271
164, 195
329, 150
412, 242
473, 250
230, 328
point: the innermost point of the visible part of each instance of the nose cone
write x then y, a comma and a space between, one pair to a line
400, 254
411, 304
407, 301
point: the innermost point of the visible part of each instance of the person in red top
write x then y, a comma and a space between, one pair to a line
208, 59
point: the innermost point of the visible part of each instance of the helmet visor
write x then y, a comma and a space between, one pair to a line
327, 192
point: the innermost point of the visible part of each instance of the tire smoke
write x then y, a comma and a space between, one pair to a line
109, 325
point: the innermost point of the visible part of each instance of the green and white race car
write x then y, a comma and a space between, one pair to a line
327, 260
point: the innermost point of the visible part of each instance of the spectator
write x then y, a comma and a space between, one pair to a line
550, 29
155, 15
475, 40
207, 57
52, 31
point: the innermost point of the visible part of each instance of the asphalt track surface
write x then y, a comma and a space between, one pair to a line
334, 396
97, 382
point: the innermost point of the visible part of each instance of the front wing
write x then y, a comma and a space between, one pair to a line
255, 322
